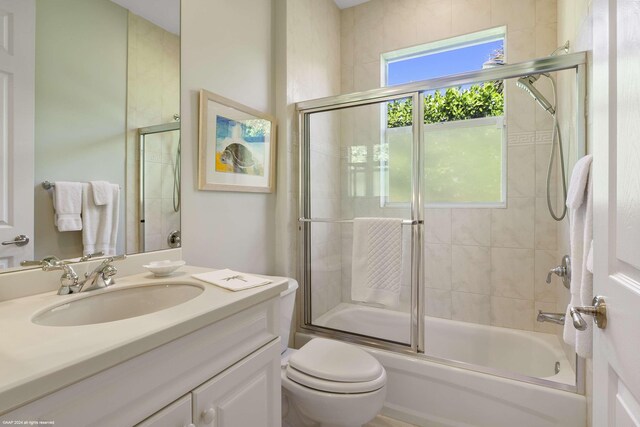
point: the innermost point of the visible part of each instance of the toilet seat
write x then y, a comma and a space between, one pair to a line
338, 387
335, 367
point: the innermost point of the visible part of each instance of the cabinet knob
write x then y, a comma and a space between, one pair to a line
209, 416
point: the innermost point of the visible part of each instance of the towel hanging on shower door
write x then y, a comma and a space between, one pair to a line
376, 268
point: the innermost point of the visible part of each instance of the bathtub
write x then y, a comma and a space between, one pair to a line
430, 393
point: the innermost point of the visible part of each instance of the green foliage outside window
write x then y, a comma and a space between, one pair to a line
477, 101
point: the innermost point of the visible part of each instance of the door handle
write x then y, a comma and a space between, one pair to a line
19, 240
598, 310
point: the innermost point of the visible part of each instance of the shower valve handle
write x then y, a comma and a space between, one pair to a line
563, 271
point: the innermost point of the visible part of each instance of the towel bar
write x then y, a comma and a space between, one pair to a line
48, 185
348, 221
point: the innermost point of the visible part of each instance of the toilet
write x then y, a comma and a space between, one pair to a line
327, 383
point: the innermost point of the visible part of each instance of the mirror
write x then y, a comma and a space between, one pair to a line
107, 108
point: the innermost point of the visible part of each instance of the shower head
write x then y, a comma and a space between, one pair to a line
526, 83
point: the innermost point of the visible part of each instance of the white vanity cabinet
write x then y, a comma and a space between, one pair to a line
246, 394
178, 414
224, 374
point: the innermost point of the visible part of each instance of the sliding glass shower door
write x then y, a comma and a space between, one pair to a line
347, 174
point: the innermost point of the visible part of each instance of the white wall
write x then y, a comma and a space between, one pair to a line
81, 84
228, 49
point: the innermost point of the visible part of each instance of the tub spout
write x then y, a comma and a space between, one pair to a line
557, 318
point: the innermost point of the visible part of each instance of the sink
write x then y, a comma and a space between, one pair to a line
118, 304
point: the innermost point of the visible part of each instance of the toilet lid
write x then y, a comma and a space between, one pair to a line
336, 386
335, 361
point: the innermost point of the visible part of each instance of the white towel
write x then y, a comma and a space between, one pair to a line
67, 203
232, 280
100, 229
580, 204
377, 260
102, 192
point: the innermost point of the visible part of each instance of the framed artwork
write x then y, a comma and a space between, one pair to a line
237, 146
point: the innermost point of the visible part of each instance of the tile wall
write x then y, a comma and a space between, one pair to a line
313, 71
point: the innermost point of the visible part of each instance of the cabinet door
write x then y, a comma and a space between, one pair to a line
178, 414
246, 394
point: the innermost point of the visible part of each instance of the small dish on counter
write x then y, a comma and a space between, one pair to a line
163, 268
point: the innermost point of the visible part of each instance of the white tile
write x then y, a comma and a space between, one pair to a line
471, 308
438, 266
521, 162
546, 39
520, 45
470, 15
512, 272
471, 269
546, 226
366, 75
545, 261
400, 24
437, 225
542, 162
434, 20
546, 11
438, 303
471, 227
368, 41
517, 15
512, 313
513, 227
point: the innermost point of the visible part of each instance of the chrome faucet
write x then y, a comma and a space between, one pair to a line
557, 318
100, 277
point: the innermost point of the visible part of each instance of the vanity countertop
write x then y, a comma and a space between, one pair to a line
36, 360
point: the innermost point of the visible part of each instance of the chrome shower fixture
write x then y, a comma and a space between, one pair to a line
527, 83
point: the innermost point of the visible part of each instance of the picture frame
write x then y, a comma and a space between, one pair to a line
237, 146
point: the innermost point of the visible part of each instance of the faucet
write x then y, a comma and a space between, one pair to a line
100, 277
557, 318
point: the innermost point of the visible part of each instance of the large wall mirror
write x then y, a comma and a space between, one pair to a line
107, 109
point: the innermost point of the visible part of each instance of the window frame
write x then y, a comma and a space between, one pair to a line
448, 44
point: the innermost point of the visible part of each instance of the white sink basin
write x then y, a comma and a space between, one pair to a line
118, 304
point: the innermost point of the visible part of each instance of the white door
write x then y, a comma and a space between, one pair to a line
616, 142
17, 81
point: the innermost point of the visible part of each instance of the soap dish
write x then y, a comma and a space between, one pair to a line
163, 268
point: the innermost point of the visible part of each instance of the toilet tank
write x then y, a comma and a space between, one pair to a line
287, 303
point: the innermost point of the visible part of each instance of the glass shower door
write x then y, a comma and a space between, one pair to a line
159, 194
351, 188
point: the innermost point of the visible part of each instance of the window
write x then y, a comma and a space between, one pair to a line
464, 136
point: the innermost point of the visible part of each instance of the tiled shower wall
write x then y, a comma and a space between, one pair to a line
313, 71
484, 266
153, 97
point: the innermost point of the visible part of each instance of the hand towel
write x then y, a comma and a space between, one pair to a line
580, 204
100, 229
377, 260
232, 280
102, 192
67, 203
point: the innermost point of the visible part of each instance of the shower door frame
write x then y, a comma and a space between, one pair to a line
415, 91
142, 134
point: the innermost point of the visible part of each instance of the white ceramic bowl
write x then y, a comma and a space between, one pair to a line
164, 268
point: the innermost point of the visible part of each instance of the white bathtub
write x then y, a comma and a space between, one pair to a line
434, 394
